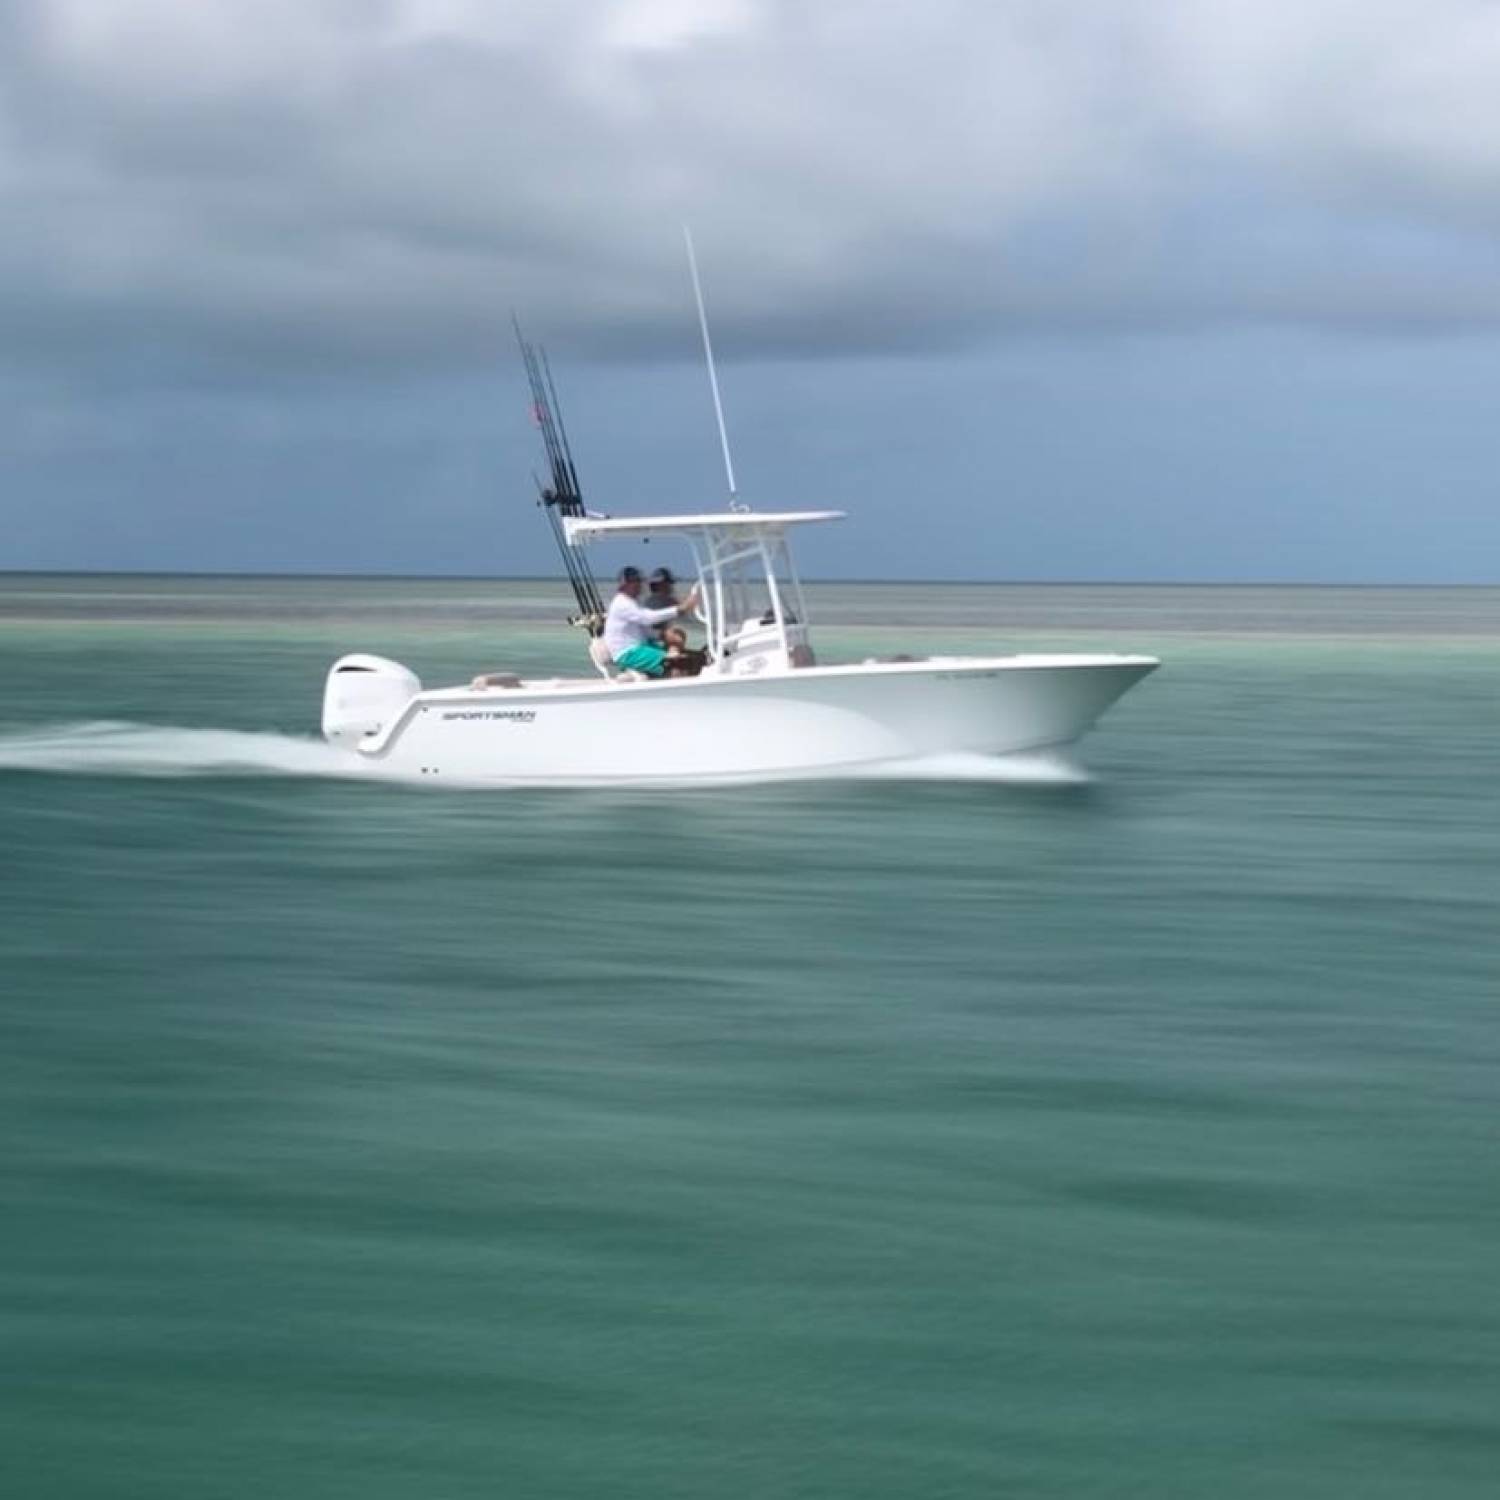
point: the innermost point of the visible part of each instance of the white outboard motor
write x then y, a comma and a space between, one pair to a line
362, 695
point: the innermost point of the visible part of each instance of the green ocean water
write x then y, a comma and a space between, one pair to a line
1129, 1135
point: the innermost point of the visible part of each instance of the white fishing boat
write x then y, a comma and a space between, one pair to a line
763, 706
758, 705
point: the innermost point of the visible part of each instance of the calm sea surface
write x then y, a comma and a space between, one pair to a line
1128, 1136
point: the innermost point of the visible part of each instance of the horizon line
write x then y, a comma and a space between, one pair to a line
1152, 583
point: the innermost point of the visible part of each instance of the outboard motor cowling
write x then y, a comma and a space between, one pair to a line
362, 695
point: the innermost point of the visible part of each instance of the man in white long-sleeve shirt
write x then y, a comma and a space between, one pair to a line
629, 627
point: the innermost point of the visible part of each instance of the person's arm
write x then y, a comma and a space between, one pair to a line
640, 615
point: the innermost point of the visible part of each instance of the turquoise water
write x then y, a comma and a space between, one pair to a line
1129, 1135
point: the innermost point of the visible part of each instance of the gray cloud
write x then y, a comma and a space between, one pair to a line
374, 184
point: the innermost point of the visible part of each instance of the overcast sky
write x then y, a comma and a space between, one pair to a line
1074, 289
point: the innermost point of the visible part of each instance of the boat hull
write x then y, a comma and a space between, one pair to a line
815, 721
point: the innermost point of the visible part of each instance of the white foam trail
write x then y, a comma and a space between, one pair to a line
111, 748
1035, 769
108, 748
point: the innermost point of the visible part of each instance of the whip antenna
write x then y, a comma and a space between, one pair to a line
708, 350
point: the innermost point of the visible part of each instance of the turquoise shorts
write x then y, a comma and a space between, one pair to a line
647, 659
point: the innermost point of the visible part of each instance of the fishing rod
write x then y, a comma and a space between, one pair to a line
562, 497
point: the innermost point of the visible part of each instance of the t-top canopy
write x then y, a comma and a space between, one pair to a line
581, 529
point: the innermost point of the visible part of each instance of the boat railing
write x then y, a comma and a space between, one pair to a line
752, 581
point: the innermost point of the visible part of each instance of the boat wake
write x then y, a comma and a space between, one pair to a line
1035, 769
111, 748
114, 748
